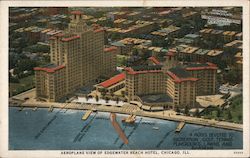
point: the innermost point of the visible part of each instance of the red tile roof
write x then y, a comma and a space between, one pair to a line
59, 35
132, 72
118, 78
49, 69
178, 80
76, 12
154, 60
52, 38
109, 49
70, 38
210, 66
170, 53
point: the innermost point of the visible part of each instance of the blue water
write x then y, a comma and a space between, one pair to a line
64, 130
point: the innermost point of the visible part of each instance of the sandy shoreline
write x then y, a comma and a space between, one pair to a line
158, 115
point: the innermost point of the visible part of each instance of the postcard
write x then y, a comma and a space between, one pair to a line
124, 79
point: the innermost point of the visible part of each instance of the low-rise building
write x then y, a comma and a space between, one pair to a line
112, 85
170, 31
126, 45
239, 62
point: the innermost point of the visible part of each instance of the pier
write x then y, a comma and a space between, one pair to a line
118, 128
50, 108
86, 115
180, 126
35, 108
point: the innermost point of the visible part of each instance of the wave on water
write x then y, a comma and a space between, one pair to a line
68, 112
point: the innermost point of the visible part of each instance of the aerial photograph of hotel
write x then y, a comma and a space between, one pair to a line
107, 78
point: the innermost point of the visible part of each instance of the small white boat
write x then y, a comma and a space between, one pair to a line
156, 128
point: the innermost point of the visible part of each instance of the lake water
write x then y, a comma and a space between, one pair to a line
64, 130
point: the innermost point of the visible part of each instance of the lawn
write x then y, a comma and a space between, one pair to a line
24, 85
233, 114
121, 60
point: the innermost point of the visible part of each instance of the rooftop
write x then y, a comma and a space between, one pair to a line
191, 36
180, 72
70, 38
202, 51
201, 66
143, 69
214, 52
154, 60
146, 67
238, 55
109, 49
118, 78
166, 31
235, 43
155, 98
76, 12
134, 41
49, 68
189, 50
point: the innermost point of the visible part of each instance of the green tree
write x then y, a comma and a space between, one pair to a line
107, 99
135, 52
26, 64
123, 93
232, 77
87, 97
117, 100
240, 117
229, 115
96, 98
197, 113
218, 114
177, 109
186, 111
112, 94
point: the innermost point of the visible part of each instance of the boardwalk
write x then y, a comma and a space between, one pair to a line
124, 110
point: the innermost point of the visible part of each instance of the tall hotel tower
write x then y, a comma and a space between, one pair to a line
76, 55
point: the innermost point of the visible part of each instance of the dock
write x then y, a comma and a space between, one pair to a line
35, 108
21, 108
118, 128
86, 115
50, 108
130, 119
180, 126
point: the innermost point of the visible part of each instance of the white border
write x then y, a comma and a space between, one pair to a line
167, 3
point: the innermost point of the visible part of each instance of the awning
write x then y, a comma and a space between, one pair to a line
157, 108
136, 103
146, 107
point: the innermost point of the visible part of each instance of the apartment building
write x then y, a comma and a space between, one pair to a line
109, 55
206, 73
80, 51
143, 80
181, 87
186, 82
50, 82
